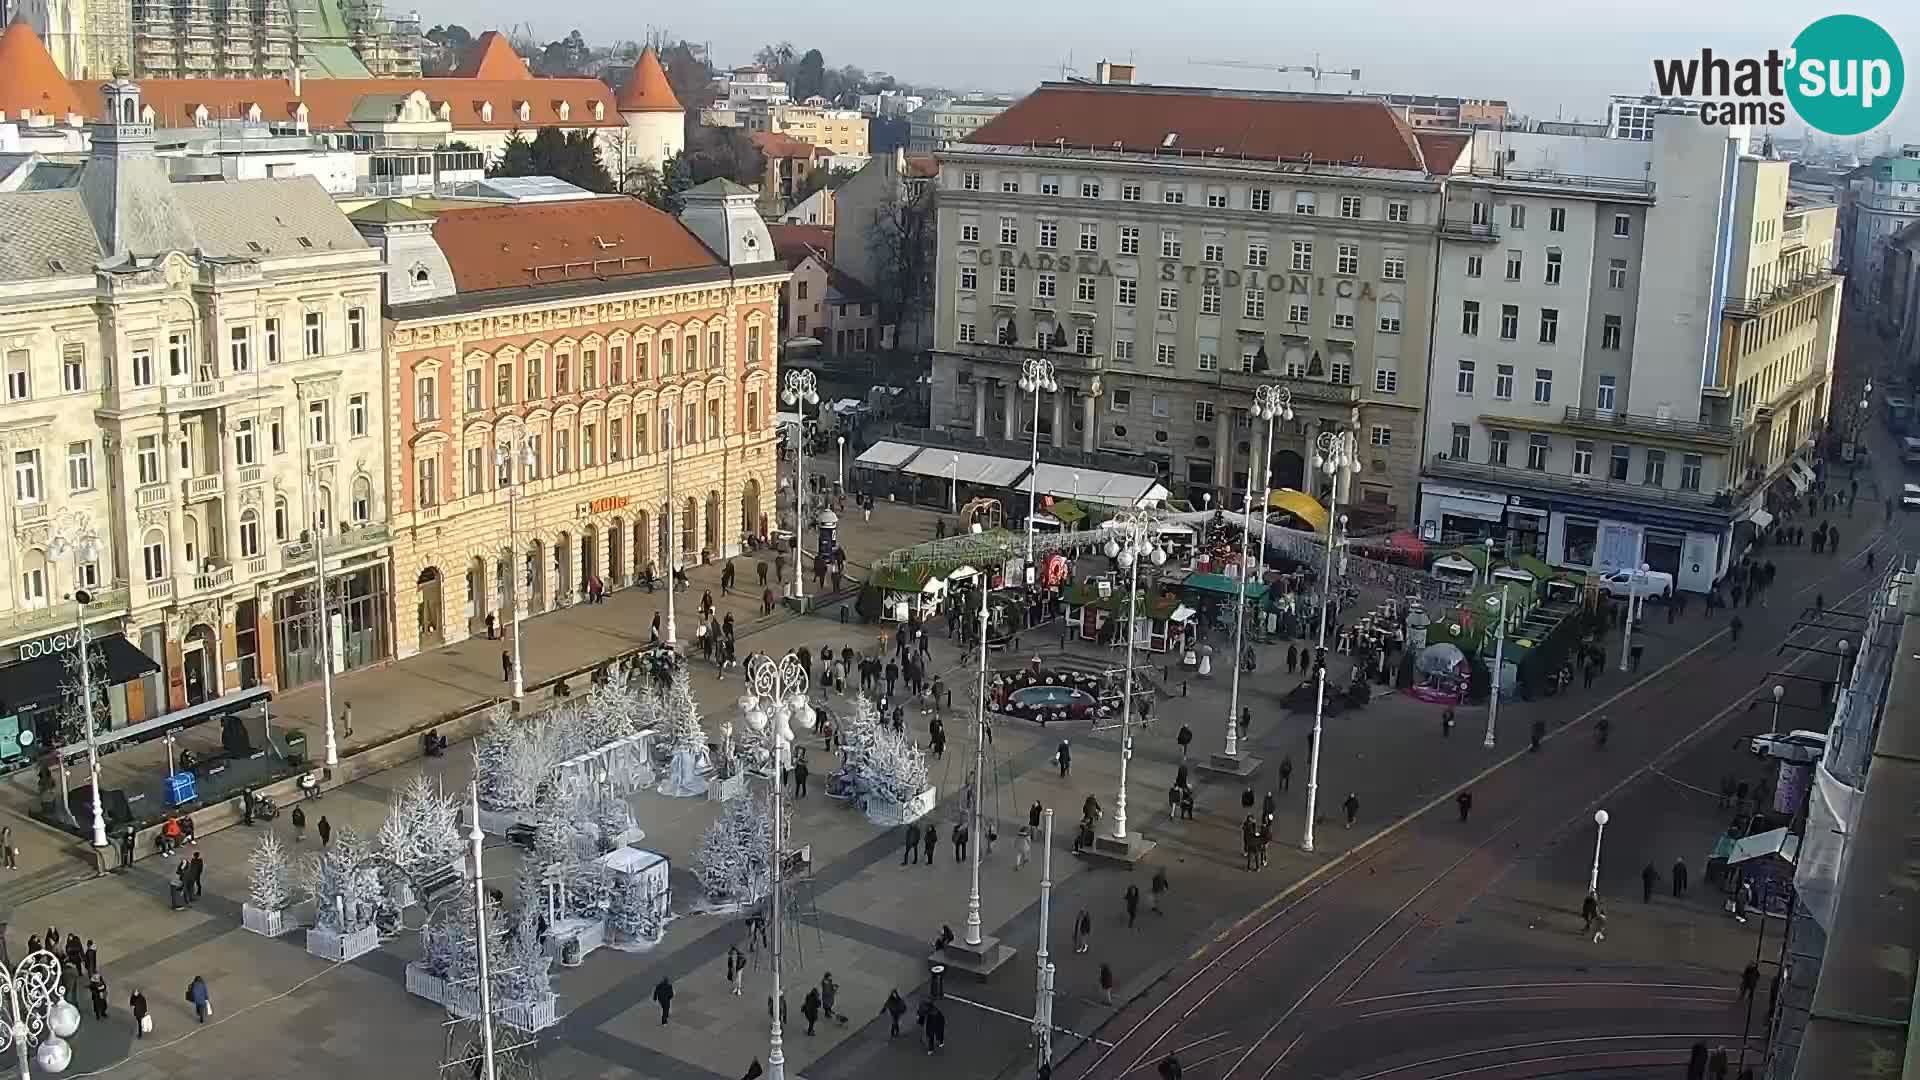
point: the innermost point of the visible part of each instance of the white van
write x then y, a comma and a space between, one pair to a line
1623, 583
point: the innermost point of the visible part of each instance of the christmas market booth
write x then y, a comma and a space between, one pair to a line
1525, 571
1765, 861
1214, 595
1098, 611
1461, 567
916, 580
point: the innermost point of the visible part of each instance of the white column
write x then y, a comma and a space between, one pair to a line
1060, 417
176, 505
229, 490
1087, 433
1012, 414
981, 387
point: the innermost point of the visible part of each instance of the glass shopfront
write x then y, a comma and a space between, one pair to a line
358, 604
38, 675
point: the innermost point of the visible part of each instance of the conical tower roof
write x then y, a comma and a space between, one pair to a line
30, 82
647, 89
493, 58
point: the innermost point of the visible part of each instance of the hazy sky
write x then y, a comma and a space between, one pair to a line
1546, 59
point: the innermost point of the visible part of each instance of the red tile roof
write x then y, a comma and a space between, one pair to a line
330, 102
30, 82
647, 89
777, 145
493, 58
923, 166
1192, 121
793, 243
1442, 149
502, 247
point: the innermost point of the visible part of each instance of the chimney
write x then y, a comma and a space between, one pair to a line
1108, 72
296, 80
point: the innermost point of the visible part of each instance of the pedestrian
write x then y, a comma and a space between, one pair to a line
937, 737
1589, 910
1446, 723
929, 839
97, 988
1132, 900
1169, 1068
1106, 983
202, 1001
936, 1028
346, 718
1024, 850
1352, 807
1717, 1064
1649, 881
142, 1021
912, 854
1635, 653
325, 829
1082, 930
91, 958
1064, 758
8, 852
1250, 843
1159, 888
960, 837
1185, 739
1034, 814
1293, 657
663, 995
800, 779
126, 846
1679, 878
506, 666
1465, 801
736, 967
829, 990
1749, 980
76, 954
196, 871
810, 1008
299, 824
895, 1009
1536, 733
1286, 772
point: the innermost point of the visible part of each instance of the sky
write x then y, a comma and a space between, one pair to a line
1559, 60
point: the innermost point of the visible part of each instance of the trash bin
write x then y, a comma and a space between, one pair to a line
296, 741
176, 895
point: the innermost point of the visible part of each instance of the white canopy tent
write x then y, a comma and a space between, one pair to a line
887, 454
1096, 486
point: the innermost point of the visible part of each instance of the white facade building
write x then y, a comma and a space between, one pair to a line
1886, 202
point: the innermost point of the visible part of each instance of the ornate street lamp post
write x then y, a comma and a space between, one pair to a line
38, 1012
776, 701
800, 389
1271, 403
74, 537
1036, 376
504, 460
1335, 454
1133, 539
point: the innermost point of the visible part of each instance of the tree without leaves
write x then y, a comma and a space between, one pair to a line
724, 153
809, 76
901, 246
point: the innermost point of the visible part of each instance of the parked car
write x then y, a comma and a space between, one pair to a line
1799, 747
1910, 497
1620, 584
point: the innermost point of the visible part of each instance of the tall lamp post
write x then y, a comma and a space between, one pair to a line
775, 702
504, 460
1271, 403
1133, 540
38, 1012
1636, 581
1336, 454
1499, 665
1599, 833
673, 535
478, 839
1036, 377
75, 538
324, 622
842, 441
800, 389
1778, 693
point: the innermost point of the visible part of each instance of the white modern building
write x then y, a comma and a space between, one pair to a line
940, 123
1632, 341
744, 87
1631, 116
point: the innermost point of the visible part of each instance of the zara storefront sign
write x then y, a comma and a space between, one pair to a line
49, 645
1182, 273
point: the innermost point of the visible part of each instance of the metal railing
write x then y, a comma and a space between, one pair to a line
1618, 185
1801, 286
25, 621
1460, 229
1443, 465
1642, 424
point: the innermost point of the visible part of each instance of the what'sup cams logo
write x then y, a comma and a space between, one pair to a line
1843, 75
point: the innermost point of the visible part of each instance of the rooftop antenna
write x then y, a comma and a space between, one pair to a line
1314, 70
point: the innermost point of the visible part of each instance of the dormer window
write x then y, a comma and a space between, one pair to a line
444, 111
253, 112
599, 110
486, 112
523, 110
421, 277
200, 116
146, 114
566, 112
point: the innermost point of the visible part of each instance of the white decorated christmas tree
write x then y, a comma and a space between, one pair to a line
634, 909
733, 863
421, 834
269, 875
684, 740
895, 769
526, 975
490, 753
343, 883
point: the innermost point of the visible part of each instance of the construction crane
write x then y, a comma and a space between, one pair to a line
1314, 70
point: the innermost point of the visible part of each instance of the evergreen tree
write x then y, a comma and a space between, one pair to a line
516, 157
269, 875
734, 860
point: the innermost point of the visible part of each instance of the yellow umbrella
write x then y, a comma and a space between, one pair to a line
1300, 505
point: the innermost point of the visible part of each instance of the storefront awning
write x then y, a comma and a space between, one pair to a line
43, 679
886, 454
1300, 505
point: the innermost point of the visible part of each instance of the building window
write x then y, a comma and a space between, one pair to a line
616, 365
356, 329
1009, 282
1010, 185
1203, 412
319, 424
1509, 322
1655, 471
1256, 304
1217, 198
272, 336
1381, 435
1170, 243
1617, 462
1299, 313
142, 365
426, 484
1303, 255
1622, 225
1690, 472
1513, 266
1127, 291
1549, 325
426, 403
26, 476
1130, 192
243, 446
1089, 236
1538, 446
1503, 382
1393, 267
1044, 285
1209, 359
1610, 331
1553, 268
1260, 199
73, 369
563, 368
1517, 216
277, 433
1049, 185
179, 351
1616, 273
969, 232
1583, 459
1386, 380
1049, 234
1256, 253
146, 460
1214, 252
1303, 202
80, 466
666, 358
282, 519
1347, 261
970, 180
1083, 340
1089, 189
503, 385
1462, 446
1543, 386
1121, 400
249, 534
314, 333
1399, 212
1349, 206
1470, 317
1557, 219
753, 345
471, 391
1129, 239
1463, 380
1209, 299
1475, 265
1084, 290
1389, 318
590, 367
1009, 230
19, 375
1603, 397
1122, 349
1173, 194
153, 555
1165, 354
1169, 299
1342, 320
1497, 446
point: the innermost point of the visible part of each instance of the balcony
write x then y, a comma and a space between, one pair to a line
29, 514
1616, 189
152, 495
252, 474
1454, 228
159, 590
256, 567
1753, 307
218, 578
324, 454
26, 622
1614, 423
204, 393
1447, 467
1302, 389
1793, 236
202, 487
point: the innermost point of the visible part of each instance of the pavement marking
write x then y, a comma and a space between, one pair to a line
1551, 1044
1192, 1064
1417, 923
1283, 1055
984, 1007
1677, 782
1526, 986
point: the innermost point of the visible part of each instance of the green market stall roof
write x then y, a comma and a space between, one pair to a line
1158, 608
912, 567
1222, 585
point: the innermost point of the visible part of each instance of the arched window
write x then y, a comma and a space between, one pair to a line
362, 507
323, 509
688, 517
249, 534
33, 580
281, 522
153, 555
